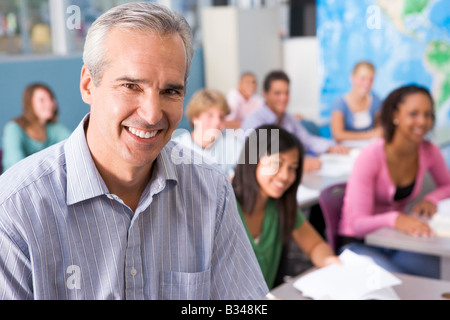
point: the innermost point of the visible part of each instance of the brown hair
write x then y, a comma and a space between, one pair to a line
203, 100
28, 117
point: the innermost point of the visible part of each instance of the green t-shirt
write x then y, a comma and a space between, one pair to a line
270, 245
18, 145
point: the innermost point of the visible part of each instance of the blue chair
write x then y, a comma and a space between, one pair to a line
330, 201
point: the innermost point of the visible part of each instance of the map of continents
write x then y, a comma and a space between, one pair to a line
407, 40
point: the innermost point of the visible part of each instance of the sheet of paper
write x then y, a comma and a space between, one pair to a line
334, 169
440, 222
357, 278
305, 194
443, 206
357, 143
335, 165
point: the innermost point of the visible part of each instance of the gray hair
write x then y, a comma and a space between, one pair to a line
140, 16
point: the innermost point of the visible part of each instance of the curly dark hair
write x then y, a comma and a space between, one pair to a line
391, 103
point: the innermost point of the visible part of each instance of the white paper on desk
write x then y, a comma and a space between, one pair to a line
357, 278
444, 206
440, 222
357, 143
334, 169
335, 165
305, 194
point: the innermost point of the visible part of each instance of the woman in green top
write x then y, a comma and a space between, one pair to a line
36, 129
265, 184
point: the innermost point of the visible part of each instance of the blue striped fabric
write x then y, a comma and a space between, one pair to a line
63, 236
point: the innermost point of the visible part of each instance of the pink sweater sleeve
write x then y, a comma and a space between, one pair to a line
365, 181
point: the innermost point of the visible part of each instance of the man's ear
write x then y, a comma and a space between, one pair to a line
86, 85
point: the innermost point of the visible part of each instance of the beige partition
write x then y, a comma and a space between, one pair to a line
237, 40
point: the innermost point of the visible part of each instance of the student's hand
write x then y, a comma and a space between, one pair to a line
339, 150
332, 260
311, 164
413, 226
424, 208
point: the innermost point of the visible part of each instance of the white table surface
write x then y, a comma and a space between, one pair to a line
317, 181
411, 288
394, 239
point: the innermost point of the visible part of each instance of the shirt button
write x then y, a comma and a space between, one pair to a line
133, 271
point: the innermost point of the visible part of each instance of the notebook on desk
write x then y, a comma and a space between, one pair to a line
335, 165
358, 278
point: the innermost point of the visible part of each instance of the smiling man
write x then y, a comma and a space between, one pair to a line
107, 214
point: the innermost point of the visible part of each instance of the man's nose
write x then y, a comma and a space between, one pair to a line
150, 107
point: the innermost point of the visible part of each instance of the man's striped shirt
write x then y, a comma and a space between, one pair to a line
64, 236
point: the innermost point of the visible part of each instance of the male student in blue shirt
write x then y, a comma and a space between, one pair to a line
274, 111
107, 214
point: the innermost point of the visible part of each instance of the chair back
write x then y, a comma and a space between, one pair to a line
330, 201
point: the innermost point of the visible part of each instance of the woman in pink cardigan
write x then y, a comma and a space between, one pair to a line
388, 175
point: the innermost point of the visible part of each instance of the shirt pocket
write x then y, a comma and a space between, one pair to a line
185, 286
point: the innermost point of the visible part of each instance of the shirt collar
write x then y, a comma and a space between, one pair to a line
85, 182
269, 115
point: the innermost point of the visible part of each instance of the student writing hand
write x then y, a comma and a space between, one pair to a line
413, 226
424, 208
332, 260
339, 149
311, 164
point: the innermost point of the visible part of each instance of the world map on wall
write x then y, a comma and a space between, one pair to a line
408, 41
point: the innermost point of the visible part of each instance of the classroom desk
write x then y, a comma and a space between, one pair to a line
316, 181
394, 239
411, 288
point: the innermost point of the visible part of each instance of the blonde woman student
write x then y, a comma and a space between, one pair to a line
354, 115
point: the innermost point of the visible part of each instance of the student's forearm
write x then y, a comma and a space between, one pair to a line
319, 253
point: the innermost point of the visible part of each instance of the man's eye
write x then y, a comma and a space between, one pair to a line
131, 86
172, 92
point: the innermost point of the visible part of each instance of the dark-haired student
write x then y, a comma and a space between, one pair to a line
388, 175
274, 111
266, 191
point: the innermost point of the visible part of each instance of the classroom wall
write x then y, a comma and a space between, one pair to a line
62, 74
237, 40
300, 61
